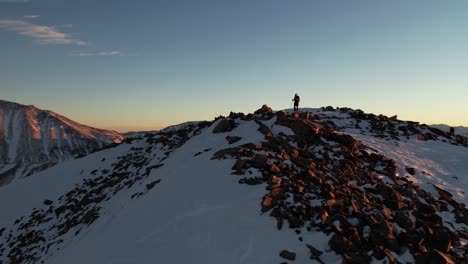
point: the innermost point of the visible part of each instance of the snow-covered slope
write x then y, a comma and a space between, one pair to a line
32, 140
322, 186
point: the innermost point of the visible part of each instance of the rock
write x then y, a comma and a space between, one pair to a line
259, 161
444, 195
288, 255
265, 110
340, 244
225, 125
421, 137
150, 186
387, 213
463, 234
267, 203
441, 240
233, 139
48, 202
410, 170
404, 220
437, 257
346, 140
240, 164
391, 258
325, 217
236, 115
356, 258
274, 169
281, 113
383, 233
314, 252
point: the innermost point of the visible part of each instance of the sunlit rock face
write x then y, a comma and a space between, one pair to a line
32, 139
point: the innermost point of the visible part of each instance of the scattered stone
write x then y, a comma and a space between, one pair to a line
150, 186
233, 139
314, 252
288, 255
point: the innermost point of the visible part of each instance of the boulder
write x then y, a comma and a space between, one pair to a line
383, 233
288, 255
267, 203
391, 258
340, 244
437, 257
410, 170
264, 110
225, 125
441, 239
404, 220
240, 164
259, 161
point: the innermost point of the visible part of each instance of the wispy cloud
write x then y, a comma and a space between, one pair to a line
31, 16
42, 34
101, 53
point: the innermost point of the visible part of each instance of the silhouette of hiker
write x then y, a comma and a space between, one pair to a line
296, 102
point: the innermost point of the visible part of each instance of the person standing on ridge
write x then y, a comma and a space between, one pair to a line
296, 102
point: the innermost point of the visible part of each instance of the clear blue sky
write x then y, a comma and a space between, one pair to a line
137, 65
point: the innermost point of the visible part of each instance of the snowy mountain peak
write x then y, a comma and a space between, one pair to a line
32, 139
317, 186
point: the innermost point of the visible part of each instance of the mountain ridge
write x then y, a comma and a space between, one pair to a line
320, 186
32, 139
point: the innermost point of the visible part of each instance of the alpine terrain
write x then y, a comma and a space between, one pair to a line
327, 185
32, 140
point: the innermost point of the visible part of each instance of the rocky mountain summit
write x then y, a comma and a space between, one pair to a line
362, 211
317, 186
32, 140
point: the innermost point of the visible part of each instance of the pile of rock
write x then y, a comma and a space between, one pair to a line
366, 209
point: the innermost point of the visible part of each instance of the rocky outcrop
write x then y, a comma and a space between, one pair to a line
363, 213
264, 110
225, 125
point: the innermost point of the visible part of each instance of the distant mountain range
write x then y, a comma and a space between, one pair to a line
32, 139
